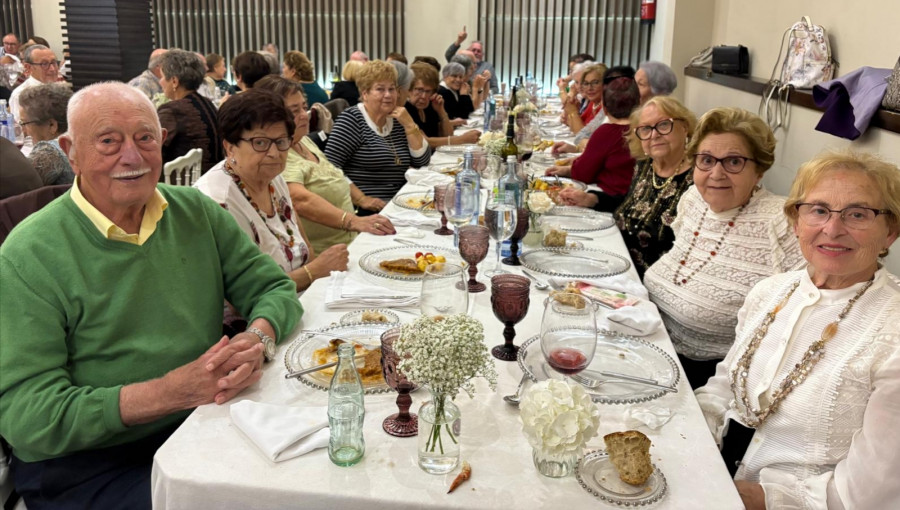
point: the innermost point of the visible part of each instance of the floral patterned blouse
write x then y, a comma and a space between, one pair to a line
646, 215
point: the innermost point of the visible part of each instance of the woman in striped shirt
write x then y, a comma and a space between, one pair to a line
376, 141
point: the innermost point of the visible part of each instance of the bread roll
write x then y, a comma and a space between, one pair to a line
629, 452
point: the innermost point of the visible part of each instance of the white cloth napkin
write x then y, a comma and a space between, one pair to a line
423, 177
345, 291
620, 283
653, 417
641, 319
410, 218
282, 432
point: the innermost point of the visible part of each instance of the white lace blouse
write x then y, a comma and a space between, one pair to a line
701, 314
833, 442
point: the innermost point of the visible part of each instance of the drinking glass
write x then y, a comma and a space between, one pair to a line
500, 219
509, 300
518, 234
460, 205
444, 290
474, 241
568, 333
403, 423
440, 191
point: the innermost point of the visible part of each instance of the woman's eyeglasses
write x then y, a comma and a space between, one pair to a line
662, 127
262, 144
731, 164
856, 217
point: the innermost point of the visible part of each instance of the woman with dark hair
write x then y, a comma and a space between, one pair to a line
216, 69
248, 68
298, 67
188, 117
42, 115
257, 129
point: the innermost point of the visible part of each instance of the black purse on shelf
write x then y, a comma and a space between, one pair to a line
731, 60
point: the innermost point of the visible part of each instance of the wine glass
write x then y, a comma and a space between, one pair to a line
440, 191
500, 218
403, 423
460, 205
568, 333
518, 235
509, 300
444, 290
473, 248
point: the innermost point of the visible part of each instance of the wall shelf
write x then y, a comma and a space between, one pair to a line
884, 119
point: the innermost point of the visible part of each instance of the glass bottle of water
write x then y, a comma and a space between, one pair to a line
510, 183
346, 411
468, 178
7, 123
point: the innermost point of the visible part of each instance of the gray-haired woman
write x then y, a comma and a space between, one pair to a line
42, 115
455, 92
655, 79
189, 118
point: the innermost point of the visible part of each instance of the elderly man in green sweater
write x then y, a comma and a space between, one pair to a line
111, 304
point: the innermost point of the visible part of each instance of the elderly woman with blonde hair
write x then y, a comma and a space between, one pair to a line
376, 141
298, 67
346, 88
805, 402
730, 233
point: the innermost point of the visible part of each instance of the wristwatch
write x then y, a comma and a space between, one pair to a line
268, 342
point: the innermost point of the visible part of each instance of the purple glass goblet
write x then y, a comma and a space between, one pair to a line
473, 248
509, 300
403, 423
521, 229
440, 191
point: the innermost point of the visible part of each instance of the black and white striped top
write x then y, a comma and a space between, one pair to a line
367, 158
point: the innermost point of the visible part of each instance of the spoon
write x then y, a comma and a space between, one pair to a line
538, 284
514, 398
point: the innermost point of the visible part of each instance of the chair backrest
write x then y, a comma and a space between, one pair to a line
16, 208
184, 170
336, 107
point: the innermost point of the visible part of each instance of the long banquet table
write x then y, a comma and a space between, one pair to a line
209, 463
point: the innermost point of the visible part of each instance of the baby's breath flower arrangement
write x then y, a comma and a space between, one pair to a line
492, 141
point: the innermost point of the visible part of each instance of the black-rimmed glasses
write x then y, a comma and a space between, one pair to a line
731, 164
855, 217
662, 127
23, 124
46, 65
262, 143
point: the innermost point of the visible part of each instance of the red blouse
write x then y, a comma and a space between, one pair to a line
606, 161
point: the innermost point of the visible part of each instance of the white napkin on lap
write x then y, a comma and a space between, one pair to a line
282, 432
345, 291
410, 218
424, 177
641, 319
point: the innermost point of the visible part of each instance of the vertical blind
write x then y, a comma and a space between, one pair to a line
327, 31
16, 19
538, 36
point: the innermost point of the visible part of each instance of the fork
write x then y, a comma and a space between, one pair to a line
616, 377
538, 284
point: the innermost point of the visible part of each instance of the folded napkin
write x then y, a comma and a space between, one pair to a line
410, 218
282, 432
345, 291
652, 416
424, 177
620, 282
641, 319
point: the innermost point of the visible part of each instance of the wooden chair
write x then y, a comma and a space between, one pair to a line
185, 170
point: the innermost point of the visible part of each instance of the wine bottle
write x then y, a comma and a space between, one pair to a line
346, 411
510, 148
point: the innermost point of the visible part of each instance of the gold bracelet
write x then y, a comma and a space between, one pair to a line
308, 274
448, 141
343, 217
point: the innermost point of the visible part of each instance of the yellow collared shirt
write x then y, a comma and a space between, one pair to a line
153, 212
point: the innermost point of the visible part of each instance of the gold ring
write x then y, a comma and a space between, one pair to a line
378, 225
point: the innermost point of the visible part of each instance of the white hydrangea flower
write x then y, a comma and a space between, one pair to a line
557, 417
539, 202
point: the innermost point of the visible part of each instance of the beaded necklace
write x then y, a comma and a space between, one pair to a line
712, 253
287, 242
756, 417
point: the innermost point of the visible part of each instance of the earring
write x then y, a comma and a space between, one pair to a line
883, 253
233, 161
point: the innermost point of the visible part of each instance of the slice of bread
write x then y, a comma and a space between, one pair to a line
629, 452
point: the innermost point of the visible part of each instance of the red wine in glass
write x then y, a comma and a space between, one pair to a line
566, 360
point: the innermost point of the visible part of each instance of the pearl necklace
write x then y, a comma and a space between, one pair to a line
712, 253
756, 417
287, 242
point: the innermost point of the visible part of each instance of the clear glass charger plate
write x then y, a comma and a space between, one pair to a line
561, 182
299, 354
574, 262
453, 149
447, 169
615, 352
356, 316
547, 158
413, 200
580, 219
597, 475
371, 260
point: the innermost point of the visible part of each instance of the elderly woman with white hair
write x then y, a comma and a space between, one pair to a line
655, 79
455, 91
42, 115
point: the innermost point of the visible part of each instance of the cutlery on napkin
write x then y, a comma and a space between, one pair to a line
345, 291
282, 432
620, 283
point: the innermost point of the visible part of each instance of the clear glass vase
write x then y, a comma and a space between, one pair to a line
439, 428
552, 465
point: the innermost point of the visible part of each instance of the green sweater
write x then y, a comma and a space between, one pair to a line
81, 316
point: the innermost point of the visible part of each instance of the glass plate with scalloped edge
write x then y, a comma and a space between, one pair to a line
414, 200
580, 219
370, 262
458, 150
299, 354
597, 475
617, 353
574, 262
356, 316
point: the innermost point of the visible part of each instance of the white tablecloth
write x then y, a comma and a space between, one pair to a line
208, 463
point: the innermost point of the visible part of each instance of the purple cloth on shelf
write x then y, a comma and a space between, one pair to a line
850, 101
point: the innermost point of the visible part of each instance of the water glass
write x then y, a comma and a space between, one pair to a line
444, 290
500, 218
460, 206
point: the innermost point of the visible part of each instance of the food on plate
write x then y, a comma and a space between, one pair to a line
611, 298
551, 186
373, 316
463, 475
405, 266
369, 370
561, 162
569, 298
424, 259
418, 202
450, 170
543, 144
629, 452
555, 238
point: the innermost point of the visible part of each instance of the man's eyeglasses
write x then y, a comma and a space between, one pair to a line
856, 217
262, 144
731, 164
46, 65
662, 127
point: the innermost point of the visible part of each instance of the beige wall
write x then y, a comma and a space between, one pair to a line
45, 17
431, 25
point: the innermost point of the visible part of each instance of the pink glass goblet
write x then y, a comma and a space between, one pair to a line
440, 191
473, 248
509, 300
521, 229
403, 423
